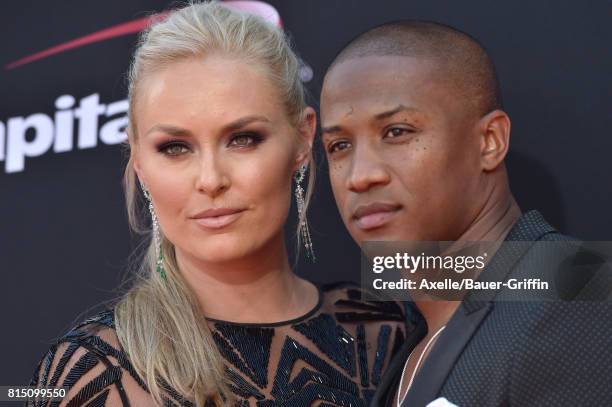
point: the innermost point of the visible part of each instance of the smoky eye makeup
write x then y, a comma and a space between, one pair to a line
245, 139
173, 148
241, 140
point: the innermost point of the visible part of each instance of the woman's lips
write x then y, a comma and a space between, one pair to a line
372, 216
218, 218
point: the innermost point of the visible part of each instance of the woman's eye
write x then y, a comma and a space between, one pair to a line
338, 146
245, 140
397, 132
174, 149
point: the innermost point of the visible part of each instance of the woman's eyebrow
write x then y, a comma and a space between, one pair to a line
181, 132
244, 121
169, 129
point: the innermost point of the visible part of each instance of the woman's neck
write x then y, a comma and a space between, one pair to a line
260, 288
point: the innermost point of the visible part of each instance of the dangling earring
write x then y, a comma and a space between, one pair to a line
159, 263
299, 196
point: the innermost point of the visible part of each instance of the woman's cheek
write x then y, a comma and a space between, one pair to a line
171, 193
267, 182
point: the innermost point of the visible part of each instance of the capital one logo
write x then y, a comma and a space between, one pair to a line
85, 123
56, 133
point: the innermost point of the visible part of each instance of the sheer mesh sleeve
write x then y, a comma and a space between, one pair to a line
89, 363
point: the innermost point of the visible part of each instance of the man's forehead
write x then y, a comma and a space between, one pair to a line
374, 108
374, 76
373, 68
374, 84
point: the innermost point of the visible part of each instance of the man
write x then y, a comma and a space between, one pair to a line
416, 139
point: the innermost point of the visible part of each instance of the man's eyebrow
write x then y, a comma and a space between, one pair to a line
331, 130
378, 117
181, 132
392, 112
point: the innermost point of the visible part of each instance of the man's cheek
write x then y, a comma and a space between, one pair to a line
337, 166
339, 196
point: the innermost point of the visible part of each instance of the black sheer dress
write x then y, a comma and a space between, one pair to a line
332, 356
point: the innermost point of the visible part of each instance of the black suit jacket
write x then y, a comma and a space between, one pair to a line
519, 353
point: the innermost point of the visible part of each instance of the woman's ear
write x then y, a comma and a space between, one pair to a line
135, 162
494, 129
307, 130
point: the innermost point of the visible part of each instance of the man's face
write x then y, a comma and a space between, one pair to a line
403, 149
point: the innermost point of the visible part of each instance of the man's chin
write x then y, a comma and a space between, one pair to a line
391, 233
382, 234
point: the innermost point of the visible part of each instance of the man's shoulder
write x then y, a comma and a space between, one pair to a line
573, 269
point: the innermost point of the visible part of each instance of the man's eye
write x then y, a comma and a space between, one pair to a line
397, 132
245, 140
338, 146
174, 149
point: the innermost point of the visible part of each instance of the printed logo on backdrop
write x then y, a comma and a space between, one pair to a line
88, 122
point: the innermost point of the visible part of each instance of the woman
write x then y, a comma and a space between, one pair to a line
218, 128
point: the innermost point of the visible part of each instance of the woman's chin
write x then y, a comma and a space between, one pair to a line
223, 250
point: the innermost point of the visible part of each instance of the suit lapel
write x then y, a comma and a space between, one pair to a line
450, 344
474, 309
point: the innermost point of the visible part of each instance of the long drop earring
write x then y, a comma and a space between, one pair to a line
301, 207
159, 262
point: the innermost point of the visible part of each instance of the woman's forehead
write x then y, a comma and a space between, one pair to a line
212, 89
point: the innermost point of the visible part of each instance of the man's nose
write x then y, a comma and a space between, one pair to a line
367, 170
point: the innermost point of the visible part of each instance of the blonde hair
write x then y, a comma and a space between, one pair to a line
158, 321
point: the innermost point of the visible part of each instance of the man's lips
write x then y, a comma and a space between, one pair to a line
217, 218
374, 215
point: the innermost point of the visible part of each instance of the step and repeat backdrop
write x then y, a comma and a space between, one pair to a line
64, 239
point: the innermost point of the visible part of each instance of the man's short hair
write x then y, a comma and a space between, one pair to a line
461, 58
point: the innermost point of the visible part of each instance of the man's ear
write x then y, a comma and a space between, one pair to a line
307, 130
494, 129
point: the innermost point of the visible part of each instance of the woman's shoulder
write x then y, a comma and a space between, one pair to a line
104, 318
89, 362
96, 334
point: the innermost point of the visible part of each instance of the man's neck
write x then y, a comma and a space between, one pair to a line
492, 224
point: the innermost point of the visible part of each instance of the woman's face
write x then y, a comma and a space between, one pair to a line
217, 152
